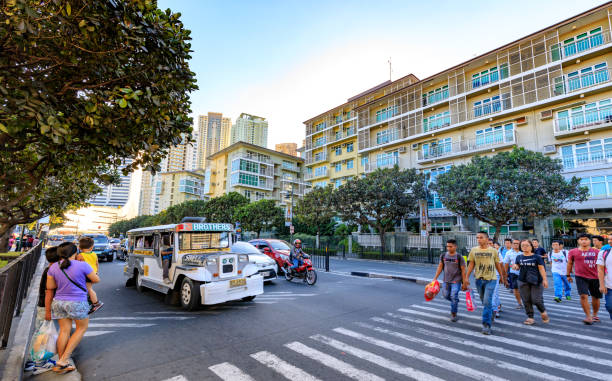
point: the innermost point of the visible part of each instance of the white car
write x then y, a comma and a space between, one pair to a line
266, 266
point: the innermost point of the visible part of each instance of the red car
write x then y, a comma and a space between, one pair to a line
276, 249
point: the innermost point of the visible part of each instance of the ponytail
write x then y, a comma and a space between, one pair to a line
65, 251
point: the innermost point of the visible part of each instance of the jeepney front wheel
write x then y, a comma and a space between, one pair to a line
190, 294
139, 286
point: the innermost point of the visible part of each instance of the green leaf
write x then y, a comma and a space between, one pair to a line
122, 103
68, 9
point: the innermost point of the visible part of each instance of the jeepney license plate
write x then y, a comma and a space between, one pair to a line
238, 282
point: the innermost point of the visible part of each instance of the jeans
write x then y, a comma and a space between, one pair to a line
608, 297
532, 295
485, 291
496, 302
166, 265
450, 291
296, 263
562, 286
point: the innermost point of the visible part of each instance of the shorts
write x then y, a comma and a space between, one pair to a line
513, 281
69, 309
588, 286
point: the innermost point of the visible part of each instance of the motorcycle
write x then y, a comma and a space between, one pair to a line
305, 271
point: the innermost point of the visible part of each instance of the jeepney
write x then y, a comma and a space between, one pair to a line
202, 270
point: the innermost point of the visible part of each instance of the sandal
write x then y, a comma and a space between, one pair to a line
61, 369
588, 322
596, 319
529, 321
545, 318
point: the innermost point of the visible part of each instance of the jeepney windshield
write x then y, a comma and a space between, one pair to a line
203, 240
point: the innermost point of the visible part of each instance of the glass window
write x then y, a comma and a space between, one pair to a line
349, 164
349, 147
364, 161
198, 241
338, 150
337, 183
338, 167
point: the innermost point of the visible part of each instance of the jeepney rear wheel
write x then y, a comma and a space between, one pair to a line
190, 294
139, 285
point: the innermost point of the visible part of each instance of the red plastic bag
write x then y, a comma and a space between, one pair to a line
469, 303
431, 290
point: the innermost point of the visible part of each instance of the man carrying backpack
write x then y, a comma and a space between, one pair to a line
604, 265
453, 266
558, 258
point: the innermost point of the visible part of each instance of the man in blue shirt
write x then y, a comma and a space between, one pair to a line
608, 246
507, 246
513, 274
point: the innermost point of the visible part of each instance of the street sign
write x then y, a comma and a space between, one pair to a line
291, 229
424, 216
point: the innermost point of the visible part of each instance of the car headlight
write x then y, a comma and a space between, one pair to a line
243, 258
211, 261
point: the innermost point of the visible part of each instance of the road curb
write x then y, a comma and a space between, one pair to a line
413, 279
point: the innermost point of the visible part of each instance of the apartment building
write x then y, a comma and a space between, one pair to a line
250, 129
214, 135
550, 92
180, 186
288, 148
257, 173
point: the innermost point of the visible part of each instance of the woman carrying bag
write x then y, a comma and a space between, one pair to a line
532, 281
68, 278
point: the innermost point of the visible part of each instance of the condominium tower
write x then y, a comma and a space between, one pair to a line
214, 135
550, 91
250, 129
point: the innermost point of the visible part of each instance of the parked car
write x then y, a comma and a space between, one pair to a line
276, 249
53, 240
115, 243
266, 266
102, 247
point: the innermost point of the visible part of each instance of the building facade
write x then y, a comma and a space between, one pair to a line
115, 195
288, 148
214, 135
250, 129
257, 173
550, 92
180, 186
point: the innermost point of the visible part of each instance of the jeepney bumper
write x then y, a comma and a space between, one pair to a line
221, 291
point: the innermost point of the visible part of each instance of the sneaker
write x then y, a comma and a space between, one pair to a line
45, 367
568, 297
95, 307
497, 315
167, 281
558, 300
454, 318
29, 366
486, 329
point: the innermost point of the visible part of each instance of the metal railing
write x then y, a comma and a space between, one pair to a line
258, 158
485, 142
15, 279
314, 175
388, 162
586, 160
583, 120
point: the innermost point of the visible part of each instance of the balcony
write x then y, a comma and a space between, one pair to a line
341, 135
586, 120
289, 167
388, 162
316, 174
487, 142
322, 156
256, 158
586, 162
331, 122
260, 184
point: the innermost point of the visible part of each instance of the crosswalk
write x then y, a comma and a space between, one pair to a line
418, 342
281, 296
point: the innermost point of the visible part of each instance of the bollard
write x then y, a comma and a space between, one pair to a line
326, 260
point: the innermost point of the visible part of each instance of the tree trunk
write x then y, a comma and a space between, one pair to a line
258, 232
5, 231
381, 233
497, 233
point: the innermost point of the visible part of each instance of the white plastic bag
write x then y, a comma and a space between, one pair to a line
44, 342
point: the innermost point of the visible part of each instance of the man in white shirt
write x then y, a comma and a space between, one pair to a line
604, 271
513, 274
558, 258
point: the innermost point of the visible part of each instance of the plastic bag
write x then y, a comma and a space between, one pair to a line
469, 301
44, 342
431, 290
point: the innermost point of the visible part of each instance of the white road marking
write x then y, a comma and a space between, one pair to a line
144, 318
430, 344
229, 372
177, 378
263, 302
332, 362
96, 333
376, 359
163, 313
578, 336
118, 325
524, 356
518, 343
282, 367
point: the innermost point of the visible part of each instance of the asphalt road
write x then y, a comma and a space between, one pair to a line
342, 328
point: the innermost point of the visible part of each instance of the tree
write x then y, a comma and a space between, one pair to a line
508, 186
316, 209
380, 199
121, 227
260, 215
175, 213
225, 208
84, 85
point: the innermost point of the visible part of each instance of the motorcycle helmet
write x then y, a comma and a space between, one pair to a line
297, 241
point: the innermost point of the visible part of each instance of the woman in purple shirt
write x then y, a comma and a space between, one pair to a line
68, 277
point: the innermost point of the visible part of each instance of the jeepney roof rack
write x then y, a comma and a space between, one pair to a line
193, 219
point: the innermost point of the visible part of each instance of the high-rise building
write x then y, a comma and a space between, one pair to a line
250, 129
214, 135
115, 195
550, 91
191, 153
288, 148
180, 186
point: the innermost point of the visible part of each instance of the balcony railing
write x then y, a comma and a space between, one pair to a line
583, 120
467, 147
257, 158
317, 174
581, 45
261, 184
387, 162
594, 159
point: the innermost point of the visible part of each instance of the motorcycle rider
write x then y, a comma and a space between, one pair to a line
296, 255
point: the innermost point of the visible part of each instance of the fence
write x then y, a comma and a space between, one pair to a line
15, 278
319, 257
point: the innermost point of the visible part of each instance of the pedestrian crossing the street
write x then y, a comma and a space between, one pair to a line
419, 342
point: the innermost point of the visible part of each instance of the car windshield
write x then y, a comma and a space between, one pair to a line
244, 248
279, 245
99, 239
202, 240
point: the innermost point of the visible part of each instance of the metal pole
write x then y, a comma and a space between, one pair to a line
291, 234
326, 260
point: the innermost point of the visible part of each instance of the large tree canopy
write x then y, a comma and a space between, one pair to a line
83, 85
381, 198
315, 210
507, 186
260, 215
225, 208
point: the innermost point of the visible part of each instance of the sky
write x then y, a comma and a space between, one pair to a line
289, 61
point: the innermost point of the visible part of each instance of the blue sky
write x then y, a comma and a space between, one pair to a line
290, 60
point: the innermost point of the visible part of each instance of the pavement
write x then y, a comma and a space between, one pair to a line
344, 327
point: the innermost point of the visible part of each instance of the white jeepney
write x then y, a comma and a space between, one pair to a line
202, 269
